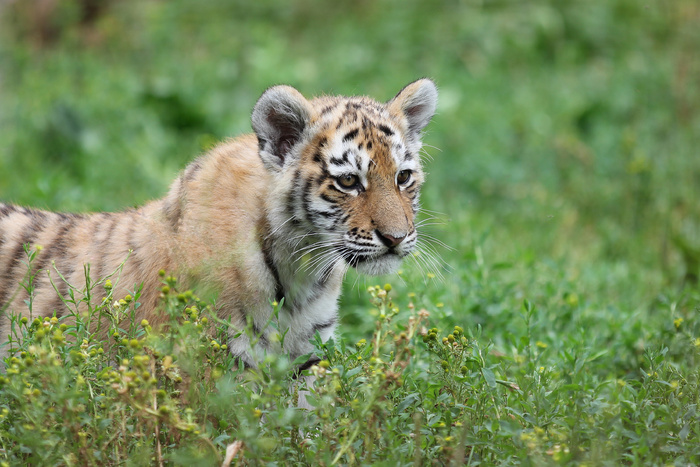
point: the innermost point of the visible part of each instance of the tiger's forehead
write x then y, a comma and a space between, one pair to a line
361, 135
349, 108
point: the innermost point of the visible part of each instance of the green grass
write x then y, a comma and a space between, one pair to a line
564, 170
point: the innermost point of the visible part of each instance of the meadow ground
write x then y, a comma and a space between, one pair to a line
564, 175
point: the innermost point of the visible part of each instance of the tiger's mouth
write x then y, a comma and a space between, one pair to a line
353, 259
383, 263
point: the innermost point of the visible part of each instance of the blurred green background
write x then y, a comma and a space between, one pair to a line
564, 153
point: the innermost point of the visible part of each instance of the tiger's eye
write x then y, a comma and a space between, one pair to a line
403, 177
348, 181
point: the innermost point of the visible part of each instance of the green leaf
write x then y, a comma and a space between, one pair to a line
489, 377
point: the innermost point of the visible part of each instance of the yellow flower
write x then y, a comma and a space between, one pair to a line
697, 342
677, 322
541, 345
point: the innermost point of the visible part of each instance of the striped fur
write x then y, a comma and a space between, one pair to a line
258, 218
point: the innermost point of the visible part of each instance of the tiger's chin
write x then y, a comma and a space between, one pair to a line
385, 264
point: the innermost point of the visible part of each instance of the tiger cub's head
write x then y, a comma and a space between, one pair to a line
347, 169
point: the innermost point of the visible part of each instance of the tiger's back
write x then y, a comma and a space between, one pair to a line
64, 243
322, 185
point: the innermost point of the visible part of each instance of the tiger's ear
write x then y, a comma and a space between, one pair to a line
279, 119
417, 103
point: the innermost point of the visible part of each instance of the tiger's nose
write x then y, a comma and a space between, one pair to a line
389, 240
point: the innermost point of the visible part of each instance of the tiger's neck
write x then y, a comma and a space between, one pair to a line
308, 282
303, 267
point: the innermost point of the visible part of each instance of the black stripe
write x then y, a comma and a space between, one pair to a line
62, 287
322, 142
104, 246
7, 209
65, 215
58, 253
290, 197
386, 129
408, 156
325, 175
327, 199
58, 247
57, 244
34, 214
242, 363
324, 325
341, 160
192, 169
325, 214
306, 197
9, 280
336, 221
96, 268
318, 159
4, 211
325, 110
173, 210
350, 135
305, 366
269, 262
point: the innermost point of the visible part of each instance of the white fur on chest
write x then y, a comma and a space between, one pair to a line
309, 306
318, 315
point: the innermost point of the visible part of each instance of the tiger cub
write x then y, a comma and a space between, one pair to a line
323, 185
